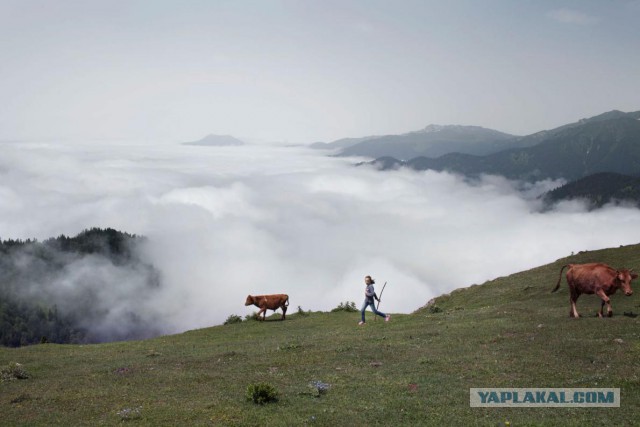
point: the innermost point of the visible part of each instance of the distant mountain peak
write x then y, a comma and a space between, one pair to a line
432, 128
212, 140
610, 115
439, 128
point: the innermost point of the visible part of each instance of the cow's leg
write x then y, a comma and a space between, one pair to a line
284, 311
601, 308
605, 300
262, 311
573, 298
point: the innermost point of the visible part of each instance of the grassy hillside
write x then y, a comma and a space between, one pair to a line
415, 370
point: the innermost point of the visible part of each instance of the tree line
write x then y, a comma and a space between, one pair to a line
28, 315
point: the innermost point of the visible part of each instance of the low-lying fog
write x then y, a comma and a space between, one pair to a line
226, 222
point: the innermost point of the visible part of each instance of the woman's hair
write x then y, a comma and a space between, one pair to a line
370, 278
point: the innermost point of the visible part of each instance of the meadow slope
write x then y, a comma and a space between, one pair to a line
415, 370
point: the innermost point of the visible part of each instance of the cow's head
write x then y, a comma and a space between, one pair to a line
249, 300
624, 278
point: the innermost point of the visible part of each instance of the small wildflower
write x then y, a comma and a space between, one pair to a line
14, 371
130, 413
319, 387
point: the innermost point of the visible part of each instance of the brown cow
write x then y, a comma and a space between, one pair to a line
595, 278
269, 302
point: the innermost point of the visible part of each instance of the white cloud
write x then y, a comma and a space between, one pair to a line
226, 222
571, 16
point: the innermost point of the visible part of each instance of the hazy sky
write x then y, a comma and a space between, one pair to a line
303, 71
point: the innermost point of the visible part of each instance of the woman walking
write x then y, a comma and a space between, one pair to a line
369, 296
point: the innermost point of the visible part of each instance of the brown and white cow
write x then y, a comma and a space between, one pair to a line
269, 302
595, 278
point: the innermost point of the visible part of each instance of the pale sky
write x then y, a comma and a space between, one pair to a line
305, 71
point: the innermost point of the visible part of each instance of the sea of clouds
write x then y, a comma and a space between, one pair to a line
225, 222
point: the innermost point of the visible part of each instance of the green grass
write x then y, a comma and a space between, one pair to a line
415, 370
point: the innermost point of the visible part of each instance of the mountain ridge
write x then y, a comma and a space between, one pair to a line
605, 143
435, 140
432, 140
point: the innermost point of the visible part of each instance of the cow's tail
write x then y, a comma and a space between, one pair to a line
287, 301
560, 278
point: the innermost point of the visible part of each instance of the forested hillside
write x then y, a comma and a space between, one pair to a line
57, 290
598, 190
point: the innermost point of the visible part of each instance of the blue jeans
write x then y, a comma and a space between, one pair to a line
373, 308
